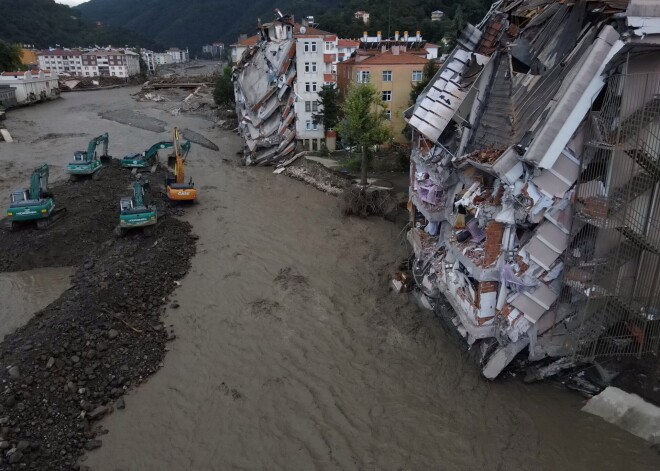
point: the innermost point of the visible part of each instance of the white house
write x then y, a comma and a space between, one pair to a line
178, 56
32, 86
90, 62
437, 15
242, 45
61, 61
162, 58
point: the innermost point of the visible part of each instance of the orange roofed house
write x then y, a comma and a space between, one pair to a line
393, 66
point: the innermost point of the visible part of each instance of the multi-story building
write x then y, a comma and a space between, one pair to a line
31, 86
216, 49
61, 61
437, 15
363, 16
162, 58
178, 56
535, 185
90, 63
149, 60
392, 66
316, 59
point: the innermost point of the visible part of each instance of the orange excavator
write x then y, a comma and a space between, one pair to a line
177, 189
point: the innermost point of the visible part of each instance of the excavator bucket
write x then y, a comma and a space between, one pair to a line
105, 159
171, 160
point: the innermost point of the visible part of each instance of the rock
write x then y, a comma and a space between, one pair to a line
175, 305
93, 444
112, 333
97, 413
14, 371
16, 457
23, 445
5, 445
120, 404
4, 420
75, 359
88, 264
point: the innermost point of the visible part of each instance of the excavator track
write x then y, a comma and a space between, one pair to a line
55, 216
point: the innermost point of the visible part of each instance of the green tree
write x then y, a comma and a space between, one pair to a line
10, 57
363, 122
429, 72
223, 93
328, 116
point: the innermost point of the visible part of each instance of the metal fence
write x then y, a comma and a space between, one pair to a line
612, 265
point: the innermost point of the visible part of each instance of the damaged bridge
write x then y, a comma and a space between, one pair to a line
534, 182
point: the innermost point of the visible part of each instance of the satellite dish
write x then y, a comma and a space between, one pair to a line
303, 30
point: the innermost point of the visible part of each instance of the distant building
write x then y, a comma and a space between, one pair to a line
29, 57
437, 15
148, 58
90, 63
178, 56
162, 58
31, 86
216, 49
392, 66
346, 47
242, 45
362, 16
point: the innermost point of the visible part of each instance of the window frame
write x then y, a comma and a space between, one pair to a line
383, 96
388, 77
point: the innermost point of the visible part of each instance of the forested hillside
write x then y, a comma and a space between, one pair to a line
193, 23
45, 23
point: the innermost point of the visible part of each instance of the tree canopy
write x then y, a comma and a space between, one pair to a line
363, 122
328, 115
223, 93
10, 57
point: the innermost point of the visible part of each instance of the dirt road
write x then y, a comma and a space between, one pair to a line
291, 353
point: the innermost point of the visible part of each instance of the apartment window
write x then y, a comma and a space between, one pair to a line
417, 76
313, 66
308, 106
312, 46
387, 75
306, 46
307, 67
388, 115
387, 96
308, 86
314, 86
315, 106
363, 76
329, 46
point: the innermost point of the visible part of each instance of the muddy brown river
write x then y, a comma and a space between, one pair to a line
291, 352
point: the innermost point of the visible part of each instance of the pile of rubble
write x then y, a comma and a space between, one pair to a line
71, 364
522, 189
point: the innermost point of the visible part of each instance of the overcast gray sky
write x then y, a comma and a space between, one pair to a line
71, 2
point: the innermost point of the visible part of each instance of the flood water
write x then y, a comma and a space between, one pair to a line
292, 353
26, 292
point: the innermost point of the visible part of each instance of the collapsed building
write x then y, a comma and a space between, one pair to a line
263, 88
534, 183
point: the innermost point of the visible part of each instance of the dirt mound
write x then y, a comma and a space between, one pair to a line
72, 362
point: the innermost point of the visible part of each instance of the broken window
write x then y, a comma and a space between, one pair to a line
387, 75
387, 96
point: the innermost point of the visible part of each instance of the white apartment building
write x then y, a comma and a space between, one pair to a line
178, 56
346, 47
316, 65
90, 63
162, 58
61, 61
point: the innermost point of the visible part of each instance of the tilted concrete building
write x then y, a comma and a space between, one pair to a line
534, 183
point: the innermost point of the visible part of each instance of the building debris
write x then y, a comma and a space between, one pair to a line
534, 181
263, 85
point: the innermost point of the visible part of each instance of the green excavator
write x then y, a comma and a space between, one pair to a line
146, 159
134, 211
34, 204
89, 162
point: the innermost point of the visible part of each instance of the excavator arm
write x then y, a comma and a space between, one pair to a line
39, 182
94, 143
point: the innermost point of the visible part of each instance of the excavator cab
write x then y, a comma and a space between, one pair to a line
79, 156
87, 163
18, 196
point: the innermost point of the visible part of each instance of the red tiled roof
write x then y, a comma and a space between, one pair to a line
347, 43
12, 74
251, 41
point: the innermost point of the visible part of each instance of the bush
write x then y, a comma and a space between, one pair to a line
223, 93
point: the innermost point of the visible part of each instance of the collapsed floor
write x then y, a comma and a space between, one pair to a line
73, 361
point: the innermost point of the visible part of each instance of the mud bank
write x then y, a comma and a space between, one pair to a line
70, 364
